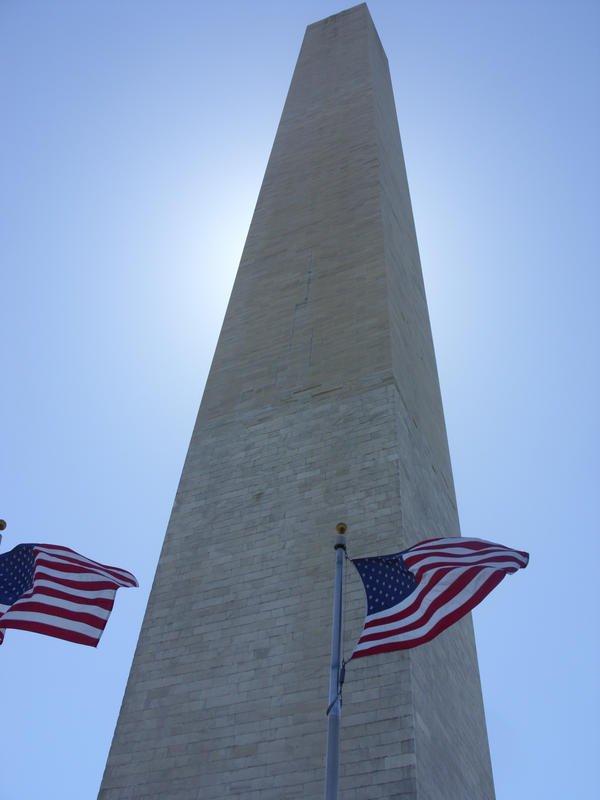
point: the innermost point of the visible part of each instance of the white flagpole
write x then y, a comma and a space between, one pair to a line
332, 764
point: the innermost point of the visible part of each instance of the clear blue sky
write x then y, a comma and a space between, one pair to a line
134, 140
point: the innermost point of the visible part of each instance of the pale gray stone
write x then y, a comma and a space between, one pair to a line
322, 404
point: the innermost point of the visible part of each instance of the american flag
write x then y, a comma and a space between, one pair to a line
414, 595
46, 588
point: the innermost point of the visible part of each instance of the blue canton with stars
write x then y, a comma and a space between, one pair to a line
386, 579
16, 573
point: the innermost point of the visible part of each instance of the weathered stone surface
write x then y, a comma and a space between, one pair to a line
322, 404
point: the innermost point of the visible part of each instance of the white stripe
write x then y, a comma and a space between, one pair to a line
84, 563
459, 546
78, 608
440, 614
451, 540
442, 560
48, 619
457, 549
78, 577
70, 556
80, 591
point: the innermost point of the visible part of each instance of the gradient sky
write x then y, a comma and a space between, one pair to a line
133, 143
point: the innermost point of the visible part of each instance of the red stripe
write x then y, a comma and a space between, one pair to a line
473, 544
464, 553
440, 626
430, 548
66, 566
104, 602
486, 561
458, 557
117, 572
58, 611
450, 550
71, 565
83, 586
52, 630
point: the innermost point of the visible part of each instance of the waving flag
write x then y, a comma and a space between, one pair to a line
46, 588
414, 595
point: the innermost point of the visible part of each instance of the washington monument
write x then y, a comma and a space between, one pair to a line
322, 404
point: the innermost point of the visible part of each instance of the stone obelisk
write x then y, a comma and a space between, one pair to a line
322, 405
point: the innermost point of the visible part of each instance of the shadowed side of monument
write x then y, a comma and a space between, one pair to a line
322, 403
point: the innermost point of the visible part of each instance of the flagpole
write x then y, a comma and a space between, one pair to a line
332, 764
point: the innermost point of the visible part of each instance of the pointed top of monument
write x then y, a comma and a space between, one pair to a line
360, 8
361, 11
